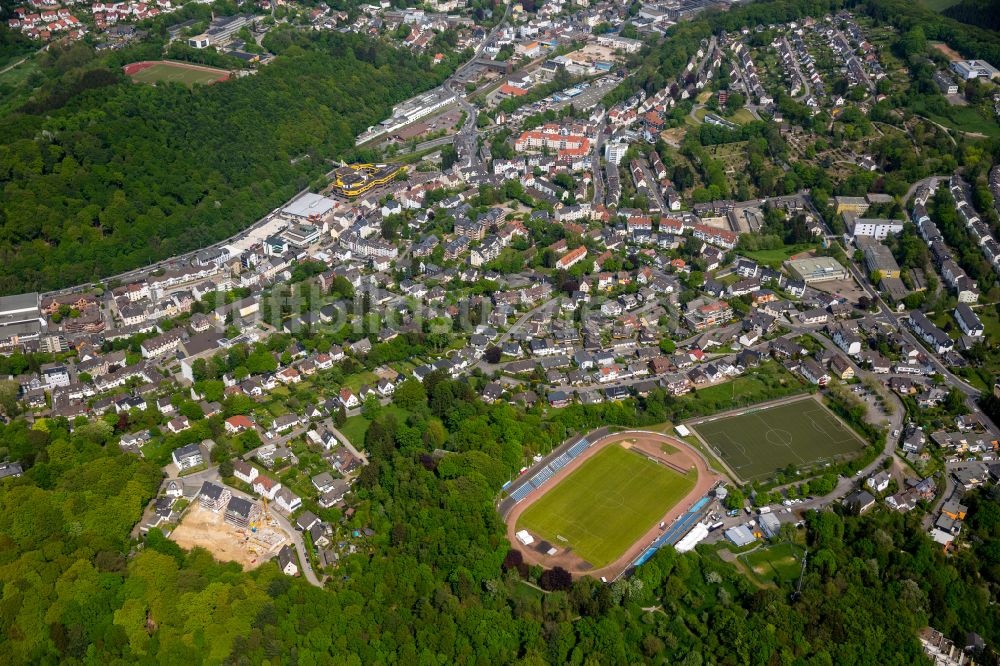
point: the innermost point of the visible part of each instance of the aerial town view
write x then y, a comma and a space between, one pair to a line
496, 332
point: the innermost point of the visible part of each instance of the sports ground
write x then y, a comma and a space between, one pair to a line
756, 443
176, 72
606, 504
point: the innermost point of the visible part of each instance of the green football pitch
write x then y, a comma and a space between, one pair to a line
165, 71
758, 443
606, 504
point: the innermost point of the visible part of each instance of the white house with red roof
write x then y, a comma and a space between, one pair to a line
266, 486
239, 423
348, 399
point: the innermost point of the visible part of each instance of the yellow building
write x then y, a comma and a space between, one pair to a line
355, 179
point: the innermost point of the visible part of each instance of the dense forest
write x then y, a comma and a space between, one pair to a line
982, 13
439, 585
104, 175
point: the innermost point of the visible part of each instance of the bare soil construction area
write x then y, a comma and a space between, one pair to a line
227, 543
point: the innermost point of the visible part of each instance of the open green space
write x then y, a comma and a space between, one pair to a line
605, 505
355, 427
963, 119
776, 257
775, 564
802, 434
741, 116
14, 88
174, 73
768, 382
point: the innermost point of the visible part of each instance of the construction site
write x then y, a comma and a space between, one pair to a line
249, 542
351, 180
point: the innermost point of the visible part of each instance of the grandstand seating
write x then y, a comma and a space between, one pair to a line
546, 473
560, 462
522, 492
578, 448
543, 475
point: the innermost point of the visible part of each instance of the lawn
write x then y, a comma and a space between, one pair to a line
177, 73
802, 433
775, 564
742, 117
354, 430
768, 382
14, 86
355, 427
606, 504
991, 323
961, 118
774, 258
355, 381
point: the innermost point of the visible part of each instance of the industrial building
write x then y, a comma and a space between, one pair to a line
407, 112
740, 536
770, 525
817, 269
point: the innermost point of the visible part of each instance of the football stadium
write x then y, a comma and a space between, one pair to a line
164, 71
599, 504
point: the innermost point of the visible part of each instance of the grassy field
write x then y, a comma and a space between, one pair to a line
605, 505
742, 117
774, 258
963, 119
768, 382
355, 427
800, 433
169, 72
15, 87
775, 564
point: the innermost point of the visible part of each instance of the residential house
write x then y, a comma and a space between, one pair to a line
266, 486
245, 472
213, 496
287, 561
241, 512
187, 457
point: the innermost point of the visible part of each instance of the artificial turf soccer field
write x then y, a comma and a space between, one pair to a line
801, 433
606, 504
165, 71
